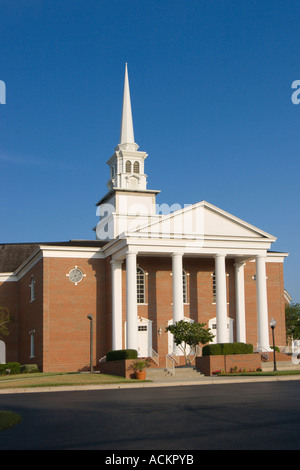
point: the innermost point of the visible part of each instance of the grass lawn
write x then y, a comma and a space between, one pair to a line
58, 379
261, 374
8, 419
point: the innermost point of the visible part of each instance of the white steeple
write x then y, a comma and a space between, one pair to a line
128, 203
127, 134
127, 163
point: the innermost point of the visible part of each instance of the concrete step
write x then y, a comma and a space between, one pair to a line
181, 373
281, 365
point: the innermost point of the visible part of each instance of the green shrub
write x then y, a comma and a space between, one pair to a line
223, 349
29, 368
10, 368
121, 354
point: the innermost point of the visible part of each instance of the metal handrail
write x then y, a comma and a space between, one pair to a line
172, 368
264, 353
155, 356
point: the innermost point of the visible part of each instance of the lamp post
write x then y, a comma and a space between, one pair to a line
90, 317
272, 325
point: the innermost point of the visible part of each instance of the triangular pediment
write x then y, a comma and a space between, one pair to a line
203, 220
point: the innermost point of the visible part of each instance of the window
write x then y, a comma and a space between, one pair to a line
214, 282
32, 289
128, 167
184, 283
136, 167
214, 286
142, 328
32, 333
141, 286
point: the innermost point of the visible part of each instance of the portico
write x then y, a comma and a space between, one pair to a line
177, 260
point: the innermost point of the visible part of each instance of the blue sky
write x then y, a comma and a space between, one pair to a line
211, 95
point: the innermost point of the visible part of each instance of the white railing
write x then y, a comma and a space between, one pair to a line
264, 352
170, 364
155, 356
174, 357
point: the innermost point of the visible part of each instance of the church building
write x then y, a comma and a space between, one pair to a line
142, 271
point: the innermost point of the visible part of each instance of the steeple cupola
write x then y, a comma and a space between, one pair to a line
127, 163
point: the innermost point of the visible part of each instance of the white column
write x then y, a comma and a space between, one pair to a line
221, 299
262, 304
178, 312
177, 287
240, 302
131, 302
116, 285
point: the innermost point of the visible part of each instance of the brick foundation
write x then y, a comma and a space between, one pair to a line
241, 362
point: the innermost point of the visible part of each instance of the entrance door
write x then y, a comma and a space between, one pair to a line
212, 324
144, 337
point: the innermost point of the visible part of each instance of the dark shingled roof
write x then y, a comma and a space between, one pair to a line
13, 255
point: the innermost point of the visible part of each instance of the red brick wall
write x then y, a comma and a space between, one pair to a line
9, 298
66, 330
119, 368
242, 362
31, 315
59, 313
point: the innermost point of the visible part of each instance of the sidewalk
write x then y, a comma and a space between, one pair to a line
170, 382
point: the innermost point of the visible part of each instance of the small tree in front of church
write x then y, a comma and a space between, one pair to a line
4, 321
292, 322
188, 335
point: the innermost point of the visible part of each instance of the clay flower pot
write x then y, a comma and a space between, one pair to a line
140, 374
139, 369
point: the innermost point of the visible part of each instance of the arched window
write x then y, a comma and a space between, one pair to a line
32, 289
136, 167
214, 286
184, 284
141, 286
128, 167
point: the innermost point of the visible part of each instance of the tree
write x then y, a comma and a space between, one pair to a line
292, 322
188, 335
4, 321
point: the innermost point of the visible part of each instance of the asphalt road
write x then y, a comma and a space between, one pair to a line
246, 416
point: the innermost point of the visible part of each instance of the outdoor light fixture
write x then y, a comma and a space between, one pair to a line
90, 317
273, 323
160, 332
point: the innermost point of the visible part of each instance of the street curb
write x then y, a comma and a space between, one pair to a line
203, 381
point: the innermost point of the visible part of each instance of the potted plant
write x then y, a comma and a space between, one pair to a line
139, 368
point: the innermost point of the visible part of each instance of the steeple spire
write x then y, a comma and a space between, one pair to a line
127, 135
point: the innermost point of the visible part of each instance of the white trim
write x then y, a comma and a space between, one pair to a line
71, 252
8, 277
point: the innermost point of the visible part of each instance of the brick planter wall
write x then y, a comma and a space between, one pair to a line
209, 364
119, 368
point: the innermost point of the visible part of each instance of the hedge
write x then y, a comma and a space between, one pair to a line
13, 367
223, 349
121, 354
29, 368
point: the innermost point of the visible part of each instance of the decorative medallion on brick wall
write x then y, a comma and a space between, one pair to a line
76, 275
